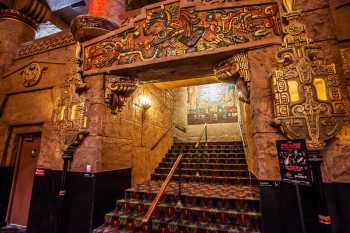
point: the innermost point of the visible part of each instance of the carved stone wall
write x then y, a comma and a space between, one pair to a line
128, 137
123, 140
316, 15
32, 105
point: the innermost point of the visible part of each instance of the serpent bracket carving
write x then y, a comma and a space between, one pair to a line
235, 70
117, 90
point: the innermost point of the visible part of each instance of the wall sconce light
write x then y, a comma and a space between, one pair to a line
145, 102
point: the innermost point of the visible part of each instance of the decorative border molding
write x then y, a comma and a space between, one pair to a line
45, 44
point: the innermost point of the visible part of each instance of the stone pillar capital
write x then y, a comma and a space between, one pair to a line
86, 27
17, 15
30, 12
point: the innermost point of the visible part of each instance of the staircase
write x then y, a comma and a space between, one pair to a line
217, 194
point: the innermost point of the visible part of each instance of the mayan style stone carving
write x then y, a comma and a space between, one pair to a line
176, 29
235, 70
307, 98
31, 74
117, 90
70, 114
76, 77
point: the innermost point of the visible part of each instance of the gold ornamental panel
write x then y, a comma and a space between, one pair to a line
307, 98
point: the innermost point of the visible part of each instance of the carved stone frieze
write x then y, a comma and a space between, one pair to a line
235, 70
31, 74
45, 44
117, 90
307, 97
176, 29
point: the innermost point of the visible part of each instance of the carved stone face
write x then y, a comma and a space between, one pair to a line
228, 71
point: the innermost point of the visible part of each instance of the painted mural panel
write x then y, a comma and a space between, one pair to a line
211, 104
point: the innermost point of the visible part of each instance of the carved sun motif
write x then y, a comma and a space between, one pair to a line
31, 74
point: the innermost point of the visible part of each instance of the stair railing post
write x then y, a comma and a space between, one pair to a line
179, 201
206, 134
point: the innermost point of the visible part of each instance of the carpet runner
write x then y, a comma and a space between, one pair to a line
218, 194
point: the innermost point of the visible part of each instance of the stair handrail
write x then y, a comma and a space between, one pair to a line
161, 137
162, 189
204, 132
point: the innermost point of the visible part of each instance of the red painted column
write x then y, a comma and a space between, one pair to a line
109, 9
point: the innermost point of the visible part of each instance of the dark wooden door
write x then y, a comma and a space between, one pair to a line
24, 177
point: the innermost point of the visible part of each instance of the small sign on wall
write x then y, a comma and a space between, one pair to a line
293, 161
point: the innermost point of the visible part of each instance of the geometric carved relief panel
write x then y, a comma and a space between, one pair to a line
307, 96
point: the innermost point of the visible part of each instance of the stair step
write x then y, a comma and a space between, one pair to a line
207, 179
209, 160
204, 155
204, 172
168, 223
208, 151
222, 166
216, 191
140, 207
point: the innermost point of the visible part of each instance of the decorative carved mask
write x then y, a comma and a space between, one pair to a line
307, 98
117, 90
235, 70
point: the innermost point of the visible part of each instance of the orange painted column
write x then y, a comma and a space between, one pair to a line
109, 9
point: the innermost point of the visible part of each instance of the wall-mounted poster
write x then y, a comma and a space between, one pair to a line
211, 104
293, 159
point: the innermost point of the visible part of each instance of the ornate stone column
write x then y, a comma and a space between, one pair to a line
18, 25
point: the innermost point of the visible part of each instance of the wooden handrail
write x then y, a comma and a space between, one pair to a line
161, 190
204, 131
180, 127
161, 138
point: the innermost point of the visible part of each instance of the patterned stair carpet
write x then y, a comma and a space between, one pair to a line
217, 195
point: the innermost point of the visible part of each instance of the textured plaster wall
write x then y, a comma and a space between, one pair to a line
216, 132
337, 159
128, 137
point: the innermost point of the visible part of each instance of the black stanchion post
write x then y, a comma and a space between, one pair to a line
300, 208
67, 157
324, 218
